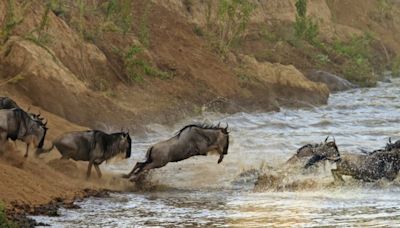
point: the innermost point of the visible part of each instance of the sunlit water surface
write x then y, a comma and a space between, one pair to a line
199, 192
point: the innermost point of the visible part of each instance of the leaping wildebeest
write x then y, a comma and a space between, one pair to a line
93, 146
191, 140
16, 124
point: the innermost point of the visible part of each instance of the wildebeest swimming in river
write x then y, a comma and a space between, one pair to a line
327, 150
18, 124
368, 167
93, 146
7, 103
191, 140
389, 146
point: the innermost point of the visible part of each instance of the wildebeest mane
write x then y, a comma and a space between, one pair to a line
21, 120
202, 126
7, 103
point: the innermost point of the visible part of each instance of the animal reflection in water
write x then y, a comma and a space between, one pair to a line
383, 163
191, 140
93, 146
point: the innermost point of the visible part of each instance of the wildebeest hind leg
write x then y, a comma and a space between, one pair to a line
27, 150
138, 166
97, 170
149, 166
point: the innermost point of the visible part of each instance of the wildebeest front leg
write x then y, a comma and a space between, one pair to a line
89, 170
3, 141
96, 166
337, 175
27, 150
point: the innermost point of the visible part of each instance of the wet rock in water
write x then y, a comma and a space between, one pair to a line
334, 82
386, 80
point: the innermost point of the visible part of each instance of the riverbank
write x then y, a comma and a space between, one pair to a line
97, 66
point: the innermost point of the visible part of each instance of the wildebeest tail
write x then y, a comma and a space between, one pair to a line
40, 151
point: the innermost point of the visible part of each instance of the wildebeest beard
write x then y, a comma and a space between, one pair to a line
128, 150
40, 146
225, 151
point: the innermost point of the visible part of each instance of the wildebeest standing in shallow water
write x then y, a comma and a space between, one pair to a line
18, 124
93, 146
191, 140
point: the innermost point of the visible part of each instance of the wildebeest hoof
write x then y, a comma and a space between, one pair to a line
133, 179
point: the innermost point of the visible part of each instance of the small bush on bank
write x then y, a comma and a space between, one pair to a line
4, 222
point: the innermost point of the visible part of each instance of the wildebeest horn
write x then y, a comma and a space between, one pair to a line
227, 125
45, 123
219, 124
327, 138
334, 140
390, 140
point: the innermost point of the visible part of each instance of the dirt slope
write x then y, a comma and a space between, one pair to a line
77, 79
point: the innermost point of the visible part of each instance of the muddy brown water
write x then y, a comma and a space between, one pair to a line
199, 192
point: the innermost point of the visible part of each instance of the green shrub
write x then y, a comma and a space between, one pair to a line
358, 55
120, 12
136, 68
395, 66
305, 28
58, 7
14, 16
360, 71
229, 24
144, 33
198, 30
4, 222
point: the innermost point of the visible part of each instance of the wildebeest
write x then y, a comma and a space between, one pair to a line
317, 152
368, 167
7, 103
191, 140
93, 146
389, 146
18, 124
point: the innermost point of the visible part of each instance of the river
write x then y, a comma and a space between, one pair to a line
199, 192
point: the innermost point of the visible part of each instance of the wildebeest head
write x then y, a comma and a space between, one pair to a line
390, 146
125, 143
37, 130
324, 151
